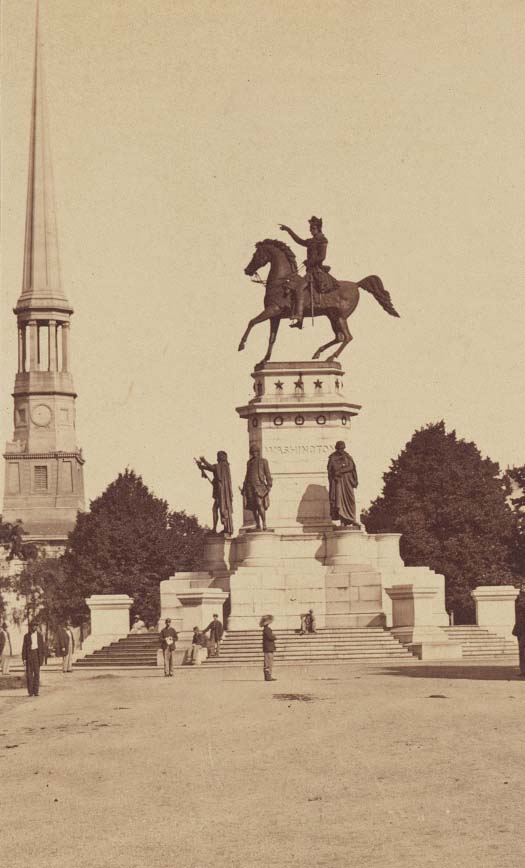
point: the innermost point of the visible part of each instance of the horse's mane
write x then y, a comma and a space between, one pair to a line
285, 249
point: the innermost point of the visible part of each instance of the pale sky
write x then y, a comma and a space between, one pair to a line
184, 132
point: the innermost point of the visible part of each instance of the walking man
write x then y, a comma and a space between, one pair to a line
66, 646
33, 656
519, 628
168, 638
268, 643
216, 630
6, 650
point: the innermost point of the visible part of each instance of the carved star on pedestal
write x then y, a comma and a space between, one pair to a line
318, 384
299, 384
279, 386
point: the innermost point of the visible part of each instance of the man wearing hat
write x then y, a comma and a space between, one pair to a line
519, 627
216, 631
33, 655
268, 643
168, 637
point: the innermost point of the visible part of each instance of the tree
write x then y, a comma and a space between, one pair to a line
42, 584
450, 505
127, 544
517, 483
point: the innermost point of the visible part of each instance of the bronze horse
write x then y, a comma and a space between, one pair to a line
283, 280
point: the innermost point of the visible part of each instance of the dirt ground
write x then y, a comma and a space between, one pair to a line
404, 764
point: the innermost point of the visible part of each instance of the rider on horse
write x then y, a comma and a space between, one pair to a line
317, 274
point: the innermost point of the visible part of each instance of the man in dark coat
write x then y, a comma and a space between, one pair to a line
342, 479
215, 630
519, 628
168, 637
268, 643
66, 646
256, 487
33, 655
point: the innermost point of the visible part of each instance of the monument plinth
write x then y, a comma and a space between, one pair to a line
298, 412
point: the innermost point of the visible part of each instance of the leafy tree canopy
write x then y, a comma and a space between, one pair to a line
450, 505
128, 543
517, 482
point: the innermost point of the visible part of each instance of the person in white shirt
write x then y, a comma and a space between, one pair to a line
66, 646
6, 650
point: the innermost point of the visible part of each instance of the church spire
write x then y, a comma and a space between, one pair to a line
44, 481
41, 284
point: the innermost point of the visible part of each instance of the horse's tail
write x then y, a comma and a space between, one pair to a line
374, 285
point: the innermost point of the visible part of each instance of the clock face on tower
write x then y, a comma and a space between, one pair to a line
41, 415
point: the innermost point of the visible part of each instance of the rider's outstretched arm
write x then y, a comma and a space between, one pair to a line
295, 237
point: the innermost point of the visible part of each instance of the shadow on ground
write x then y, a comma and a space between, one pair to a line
470, 672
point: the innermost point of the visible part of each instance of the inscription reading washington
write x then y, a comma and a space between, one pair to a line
299, 449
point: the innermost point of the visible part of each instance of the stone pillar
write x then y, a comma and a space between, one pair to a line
52, 353
413, 624
33, 345
495, 608
109, 620
20, 349
296, 417
65, 347
189, 606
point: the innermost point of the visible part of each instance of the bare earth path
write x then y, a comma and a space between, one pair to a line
383, 767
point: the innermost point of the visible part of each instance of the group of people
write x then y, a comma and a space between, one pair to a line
168, 637
33, 647
34, 652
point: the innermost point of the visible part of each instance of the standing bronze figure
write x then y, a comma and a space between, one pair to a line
342, 479
287, 291
222, 490
256, 487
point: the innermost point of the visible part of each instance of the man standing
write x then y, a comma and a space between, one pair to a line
342, 479
256, 487
33, 657
168, 638
6, 650
519, 628
66, 646
268, 643
216, 630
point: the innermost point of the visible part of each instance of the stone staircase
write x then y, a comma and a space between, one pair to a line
138, 650
244, 647
479, 642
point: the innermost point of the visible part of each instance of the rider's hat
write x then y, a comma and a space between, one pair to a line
318, 221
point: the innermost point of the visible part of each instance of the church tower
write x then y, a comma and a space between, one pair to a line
44, 484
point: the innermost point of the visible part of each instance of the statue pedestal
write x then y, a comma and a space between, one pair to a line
297, 415
413, 624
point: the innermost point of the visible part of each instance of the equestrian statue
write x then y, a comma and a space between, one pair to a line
289, 294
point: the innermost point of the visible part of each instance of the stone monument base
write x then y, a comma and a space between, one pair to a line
340, 574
